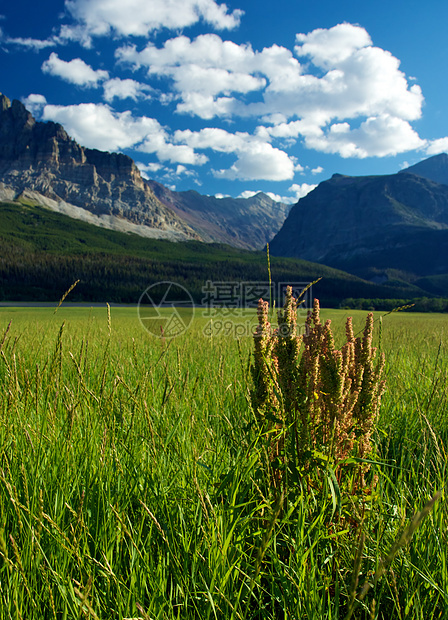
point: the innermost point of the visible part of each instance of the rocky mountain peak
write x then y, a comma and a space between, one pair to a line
5, 103
367, 222
41, 159
434, 168
247, 223
41, 162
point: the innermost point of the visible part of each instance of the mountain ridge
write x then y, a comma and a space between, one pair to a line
42, 158
368, 224
40, 162
242, 222
376, 227
434, 168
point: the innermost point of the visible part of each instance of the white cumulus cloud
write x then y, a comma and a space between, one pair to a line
159, 144
435, 147
256, 159
75, 71
276, 197
98, 126
339, 93
334, 91
35, 103
259, 161
117, 88
248, 193
141, 17
204, 72
332, 46
377, 136
300, 190
206, 106
148, 170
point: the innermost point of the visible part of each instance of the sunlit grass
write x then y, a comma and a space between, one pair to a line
130, 481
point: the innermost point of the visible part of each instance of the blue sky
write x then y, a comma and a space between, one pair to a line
235, 98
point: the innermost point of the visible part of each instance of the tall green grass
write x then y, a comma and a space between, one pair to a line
132, 486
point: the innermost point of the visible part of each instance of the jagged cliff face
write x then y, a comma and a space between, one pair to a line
41, 163
42, 159
247, 223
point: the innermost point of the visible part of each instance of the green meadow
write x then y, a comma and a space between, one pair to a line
133, 482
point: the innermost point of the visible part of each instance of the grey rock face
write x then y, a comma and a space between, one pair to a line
41, 160
247, 223
41, 157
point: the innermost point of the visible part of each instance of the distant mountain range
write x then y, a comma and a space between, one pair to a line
242, 222
41, 164
376, 227
391, 231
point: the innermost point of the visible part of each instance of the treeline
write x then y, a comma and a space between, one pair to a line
43, 253
418, 304
41, 276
